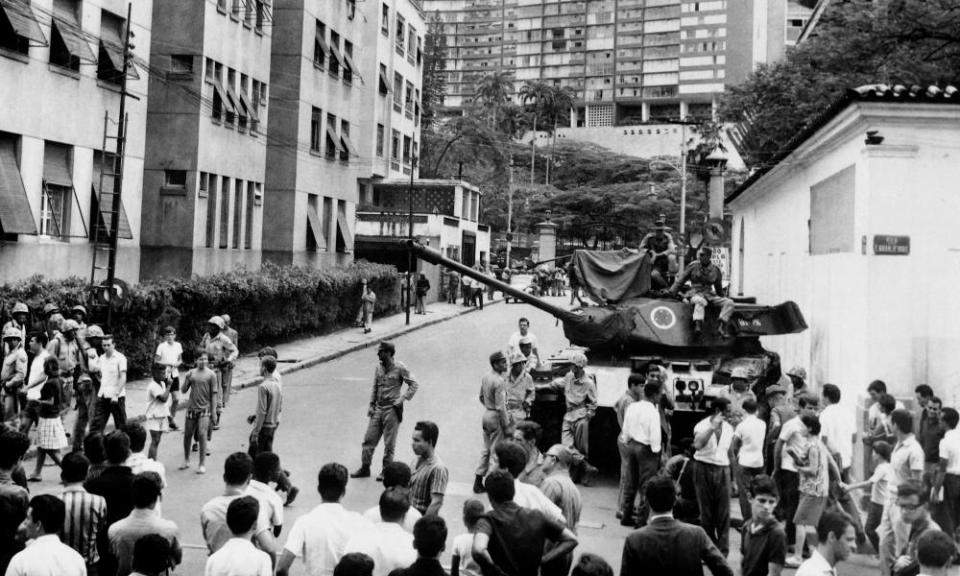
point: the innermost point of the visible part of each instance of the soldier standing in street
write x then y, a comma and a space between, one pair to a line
13, 374
519, 389
222, 352
386, 408
21, 317
88, 383
496, 420
707, 289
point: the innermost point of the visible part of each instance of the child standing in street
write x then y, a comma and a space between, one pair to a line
51, 436
878, 490
202, 385
157, 413
170, 355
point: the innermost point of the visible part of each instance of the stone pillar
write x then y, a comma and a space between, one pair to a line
548, 241
716, 192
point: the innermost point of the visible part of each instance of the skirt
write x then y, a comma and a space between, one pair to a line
50, 434
809, 510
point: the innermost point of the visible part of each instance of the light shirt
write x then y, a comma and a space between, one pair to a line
213, 521
157, 409
751, 431
837, 429
320, 537
513, 345
110, 369
37, 376
409, 519
529, 496
641, 423
169, 356
816, 565
139, 462
463, 546
238, 557
270, 502
907, 456
716, 452
389, 545
47, 556
878, 489
950, 450
791, 434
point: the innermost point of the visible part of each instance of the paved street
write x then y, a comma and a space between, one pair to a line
324, 420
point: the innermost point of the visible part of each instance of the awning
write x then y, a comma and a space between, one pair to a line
345, 140
227, 104
235, 102
336, 54
56, 165
384, 84
332, 135
73, 37
23, 20
106, 219
344, 231
322, 42
353, 67
313, 219
251, 109
114, 53
15, 214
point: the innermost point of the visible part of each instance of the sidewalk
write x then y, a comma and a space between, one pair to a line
310, 351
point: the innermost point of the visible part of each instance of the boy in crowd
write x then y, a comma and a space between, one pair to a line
204, 387
764, 541
170, 355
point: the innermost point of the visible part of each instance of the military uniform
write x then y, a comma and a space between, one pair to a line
496, 420
519, 396
707, 285
386, 410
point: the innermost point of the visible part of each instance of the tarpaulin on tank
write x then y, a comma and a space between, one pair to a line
601, 328
613, 276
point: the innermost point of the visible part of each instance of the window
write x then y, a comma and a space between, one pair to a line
346, 145
406, 149
419, 51
235, 10
385, 21
315, 239
348, 62
344, 237
416, 107
55, 204
174, 178
320, 46
395, 146
248, 205
237, 212
398, 40
333, 141
211, 209
222, 6
408, 101
209, 70
203, 187
415, 148
327, 220
380, 137
102, 198
261, 15
243, 107
67, 44
397, 92
351, 9
224, 211
411, 44
334, 66
384, 86
19, 27
247, 12
316, 118
181, 64
832, 213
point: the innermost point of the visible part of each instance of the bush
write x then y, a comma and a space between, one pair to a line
268, 306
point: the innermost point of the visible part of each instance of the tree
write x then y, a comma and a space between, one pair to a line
856, 42
536, 97
434, 71
493, 93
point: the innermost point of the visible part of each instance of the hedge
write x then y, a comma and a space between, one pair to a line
268, 306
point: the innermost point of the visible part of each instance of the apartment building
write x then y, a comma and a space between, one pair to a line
60, 76
627, 61
345, 103
765, 30
205, 167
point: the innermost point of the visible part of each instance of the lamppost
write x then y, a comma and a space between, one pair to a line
413, 167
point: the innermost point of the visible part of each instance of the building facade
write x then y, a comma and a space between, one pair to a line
346, 79
861, 233
206, 155
60, 79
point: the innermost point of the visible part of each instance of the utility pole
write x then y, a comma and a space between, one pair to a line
413, 167
509, 208
118, 179
683, 195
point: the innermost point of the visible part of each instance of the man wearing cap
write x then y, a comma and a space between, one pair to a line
738, 392
580, 394
798, 385
663, 252
13, 374
706, 289
496, 419
21, 317
66, 349
386, 408
88, 383
779, 411
79, 315
222, 352
519, 389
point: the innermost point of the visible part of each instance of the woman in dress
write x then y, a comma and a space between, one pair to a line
814, 468
158, 410
51, 436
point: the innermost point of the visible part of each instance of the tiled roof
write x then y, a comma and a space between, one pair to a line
898, 93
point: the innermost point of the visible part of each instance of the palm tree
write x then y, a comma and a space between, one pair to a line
537, 97
560, 105
493, 92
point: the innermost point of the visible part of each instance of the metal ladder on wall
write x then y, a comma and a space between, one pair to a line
103, 248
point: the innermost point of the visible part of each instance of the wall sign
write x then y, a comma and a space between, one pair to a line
885, 245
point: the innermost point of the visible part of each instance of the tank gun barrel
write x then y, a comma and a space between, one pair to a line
434, 257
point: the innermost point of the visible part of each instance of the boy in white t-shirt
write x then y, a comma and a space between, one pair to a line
463, 544
170, 356
878, 489
747, 444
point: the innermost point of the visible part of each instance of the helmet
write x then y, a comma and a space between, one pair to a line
217, 321
226, 318
517, 358
20, 308
578, 359
739, 372
69, 325
94, 331
797, 371
12, 332
496, 357
50, 309
79, 308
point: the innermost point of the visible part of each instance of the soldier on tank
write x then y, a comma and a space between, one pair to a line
663, 253
706, 282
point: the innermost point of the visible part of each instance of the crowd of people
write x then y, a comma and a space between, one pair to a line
785, 456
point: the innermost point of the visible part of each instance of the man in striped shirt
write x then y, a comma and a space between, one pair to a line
428, 485
86, 513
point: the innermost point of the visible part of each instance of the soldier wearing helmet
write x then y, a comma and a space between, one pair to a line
79, 315
65, 347
580, 393
519, 389
88, 382
738, 392
222, 352
798, 381
20, 321
663, 253
13, 373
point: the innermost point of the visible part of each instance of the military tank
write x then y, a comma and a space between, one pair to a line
632, 325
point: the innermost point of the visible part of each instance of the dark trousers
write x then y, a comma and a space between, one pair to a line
712, 484
789, 484
951, 501
383, 423
642, 465
263, 442
745, 477
873, 522
848, 505
86, 408
104, 408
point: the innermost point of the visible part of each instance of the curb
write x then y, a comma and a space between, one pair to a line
310, 362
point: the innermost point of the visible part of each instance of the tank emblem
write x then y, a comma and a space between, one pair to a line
663, 317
